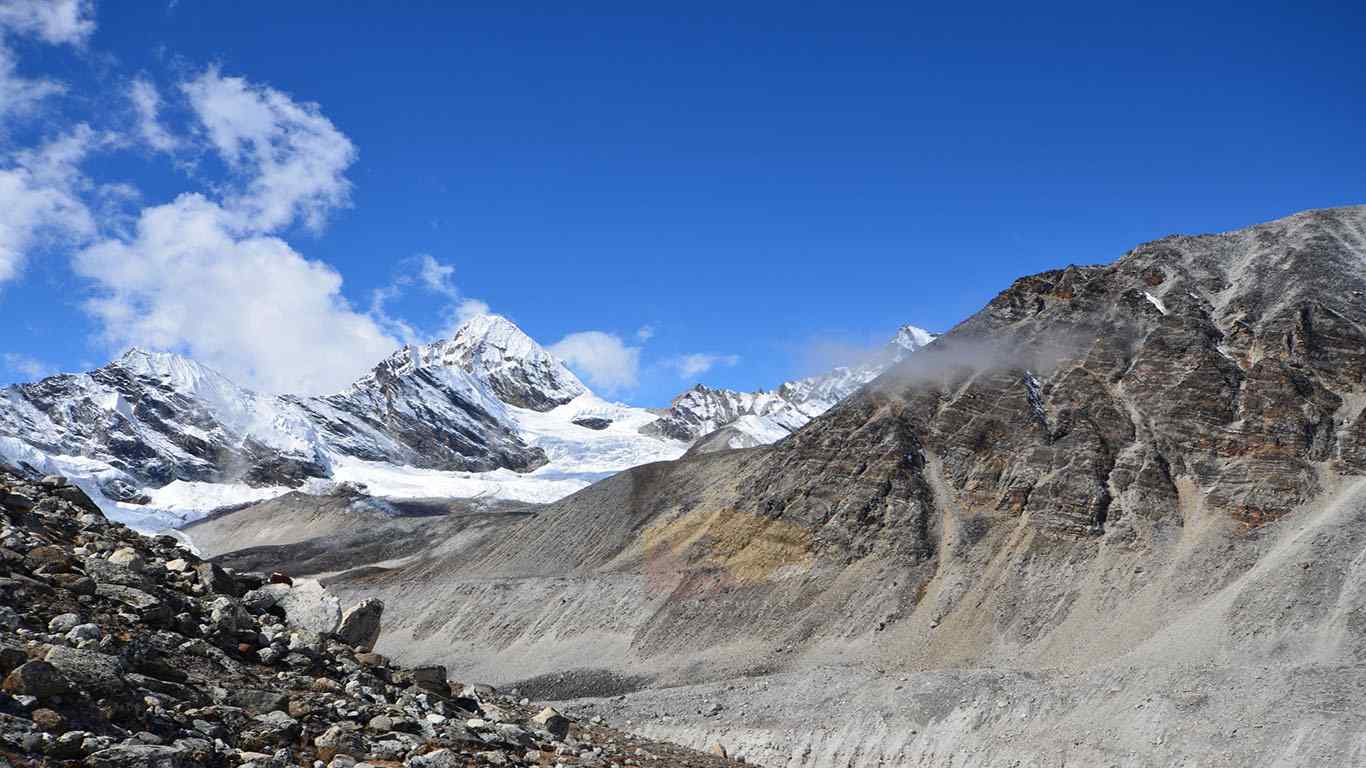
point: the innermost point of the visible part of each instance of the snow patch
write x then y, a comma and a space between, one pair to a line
1156, 302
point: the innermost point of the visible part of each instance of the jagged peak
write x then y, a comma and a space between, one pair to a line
174, 368
493, 349
912, 337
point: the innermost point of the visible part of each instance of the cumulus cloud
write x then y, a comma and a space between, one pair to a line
26, 366
147, 103
699, 363
604, 359
40, 196
291, 159
40, 188
213, 278
250, 306
645, 333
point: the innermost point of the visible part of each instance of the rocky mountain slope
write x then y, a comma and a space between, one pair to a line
1113, 518
727, 418
122, 651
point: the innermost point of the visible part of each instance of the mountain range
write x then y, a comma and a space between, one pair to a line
1113, 518
157, 437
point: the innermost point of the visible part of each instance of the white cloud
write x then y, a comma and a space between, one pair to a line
645, 333
211, 278
40, 197
252, 306
436, 276
29, 367
699, 363
292, 158
52, 21
470, 308
603, 358
147, 102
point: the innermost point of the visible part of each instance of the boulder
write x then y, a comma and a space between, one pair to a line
431, 678
217, 580
63, 623
37, 678
308, 606
259, 702
128, 558
342, 738
97, 673
554, 722
360, 625
268, 732
138, 756
440, 758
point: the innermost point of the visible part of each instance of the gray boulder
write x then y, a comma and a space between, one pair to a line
360, 626
37, 678
138, 756
308, 606
98, 673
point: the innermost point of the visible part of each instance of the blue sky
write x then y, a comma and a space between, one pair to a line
771, 185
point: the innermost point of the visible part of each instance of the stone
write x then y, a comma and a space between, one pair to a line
372, 659
63, 623
551, 720
360, 626
84, 632
48, 720
178, 565
48, 555
431, 678
514, 734
11, 657
97, 673
128, 558
440, 758
268, 731
37, 678
259, 702
381, 724
229, 616
260, 600
217, 580
76, 583
308, 606
138, 756
339, 739
9, 618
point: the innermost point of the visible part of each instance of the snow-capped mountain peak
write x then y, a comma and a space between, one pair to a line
911, 338
520, 371
176, 370
743, 419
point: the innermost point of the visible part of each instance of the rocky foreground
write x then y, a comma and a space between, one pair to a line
119, 650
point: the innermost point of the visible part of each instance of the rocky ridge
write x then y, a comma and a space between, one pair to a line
121, 651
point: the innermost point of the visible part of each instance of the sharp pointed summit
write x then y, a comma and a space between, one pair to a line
521, 372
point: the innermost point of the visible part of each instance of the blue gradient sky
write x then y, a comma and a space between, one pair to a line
773, 181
